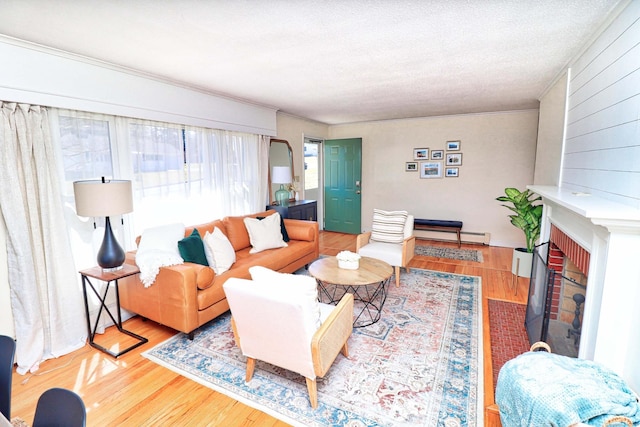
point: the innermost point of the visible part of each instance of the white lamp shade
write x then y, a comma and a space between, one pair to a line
98, 198
281, 175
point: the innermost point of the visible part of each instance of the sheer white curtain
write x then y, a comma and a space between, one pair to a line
194, 175
88, 151
45, 297
160, 183
232, 168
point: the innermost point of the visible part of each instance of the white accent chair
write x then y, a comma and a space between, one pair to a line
395, 254
276, 318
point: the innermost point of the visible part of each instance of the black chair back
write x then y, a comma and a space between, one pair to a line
59, 407
7, 353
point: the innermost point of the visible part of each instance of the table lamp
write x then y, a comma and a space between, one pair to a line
105, 198
281, 175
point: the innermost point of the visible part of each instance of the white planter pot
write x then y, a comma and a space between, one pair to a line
521, 263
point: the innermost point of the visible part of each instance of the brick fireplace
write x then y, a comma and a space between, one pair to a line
601, 239
557, 293
570, 260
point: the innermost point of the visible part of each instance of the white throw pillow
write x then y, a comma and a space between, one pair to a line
219, 251
265, 233
158, 248
388, 226
291, 287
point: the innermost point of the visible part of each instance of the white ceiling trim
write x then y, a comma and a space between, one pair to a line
73, 82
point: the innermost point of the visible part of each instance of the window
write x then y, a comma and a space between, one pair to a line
86, 147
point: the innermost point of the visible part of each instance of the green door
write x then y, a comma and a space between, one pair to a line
342, 175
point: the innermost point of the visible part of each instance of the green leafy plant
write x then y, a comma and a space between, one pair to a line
527, 215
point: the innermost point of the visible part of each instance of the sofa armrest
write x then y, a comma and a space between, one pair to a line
332, 336
204, 275
298, 229
171, 300
362, 240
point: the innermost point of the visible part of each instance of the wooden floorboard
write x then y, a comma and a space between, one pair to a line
133, 391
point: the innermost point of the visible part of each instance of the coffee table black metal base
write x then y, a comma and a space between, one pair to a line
370, 298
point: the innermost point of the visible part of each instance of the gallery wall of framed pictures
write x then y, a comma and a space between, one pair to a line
437, 163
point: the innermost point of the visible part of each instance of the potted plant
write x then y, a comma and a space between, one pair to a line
527, 218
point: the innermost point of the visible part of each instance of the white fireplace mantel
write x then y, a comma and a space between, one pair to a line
594, 208
610, 231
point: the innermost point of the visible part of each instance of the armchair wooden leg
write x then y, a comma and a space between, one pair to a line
397, 268
345, 350
313, 392
251, 365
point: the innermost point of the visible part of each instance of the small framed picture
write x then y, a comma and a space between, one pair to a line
420, 154
451, 172
453, 145
454, 159
411, 167
437, 154
430, 170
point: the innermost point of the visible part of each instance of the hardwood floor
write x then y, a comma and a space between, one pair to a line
132, 391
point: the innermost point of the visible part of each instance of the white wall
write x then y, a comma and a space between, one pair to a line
551, 134
498, 152
602, 147
47, 77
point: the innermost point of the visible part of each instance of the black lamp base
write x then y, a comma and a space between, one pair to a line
111, 255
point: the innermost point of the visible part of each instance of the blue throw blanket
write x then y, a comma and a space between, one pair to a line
542, 389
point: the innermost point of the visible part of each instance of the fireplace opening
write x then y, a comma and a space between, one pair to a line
557, 290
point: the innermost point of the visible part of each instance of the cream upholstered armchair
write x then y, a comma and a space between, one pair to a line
391, 239
276, 318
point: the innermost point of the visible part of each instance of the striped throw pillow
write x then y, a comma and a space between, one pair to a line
388, 226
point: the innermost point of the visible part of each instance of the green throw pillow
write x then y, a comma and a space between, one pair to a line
192, 249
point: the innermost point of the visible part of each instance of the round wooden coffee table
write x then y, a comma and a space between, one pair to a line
368, 284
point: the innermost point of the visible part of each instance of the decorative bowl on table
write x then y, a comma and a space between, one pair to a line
348, 260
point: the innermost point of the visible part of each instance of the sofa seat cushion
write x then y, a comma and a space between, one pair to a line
207, 297
274, 259
215, 294
391, 253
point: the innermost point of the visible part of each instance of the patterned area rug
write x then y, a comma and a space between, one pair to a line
451, 253
419, 365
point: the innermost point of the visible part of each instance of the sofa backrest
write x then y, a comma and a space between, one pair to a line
236, 231
232, 226
203, 228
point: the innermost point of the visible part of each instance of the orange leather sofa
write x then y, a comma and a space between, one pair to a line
186, 296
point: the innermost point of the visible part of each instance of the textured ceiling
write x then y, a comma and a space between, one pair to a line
331, 61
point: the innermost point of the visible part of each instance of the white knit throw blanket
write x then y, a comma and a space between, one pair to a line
150, 262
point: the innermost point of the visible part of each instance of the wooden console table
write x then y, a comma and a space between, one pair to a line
300, 209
